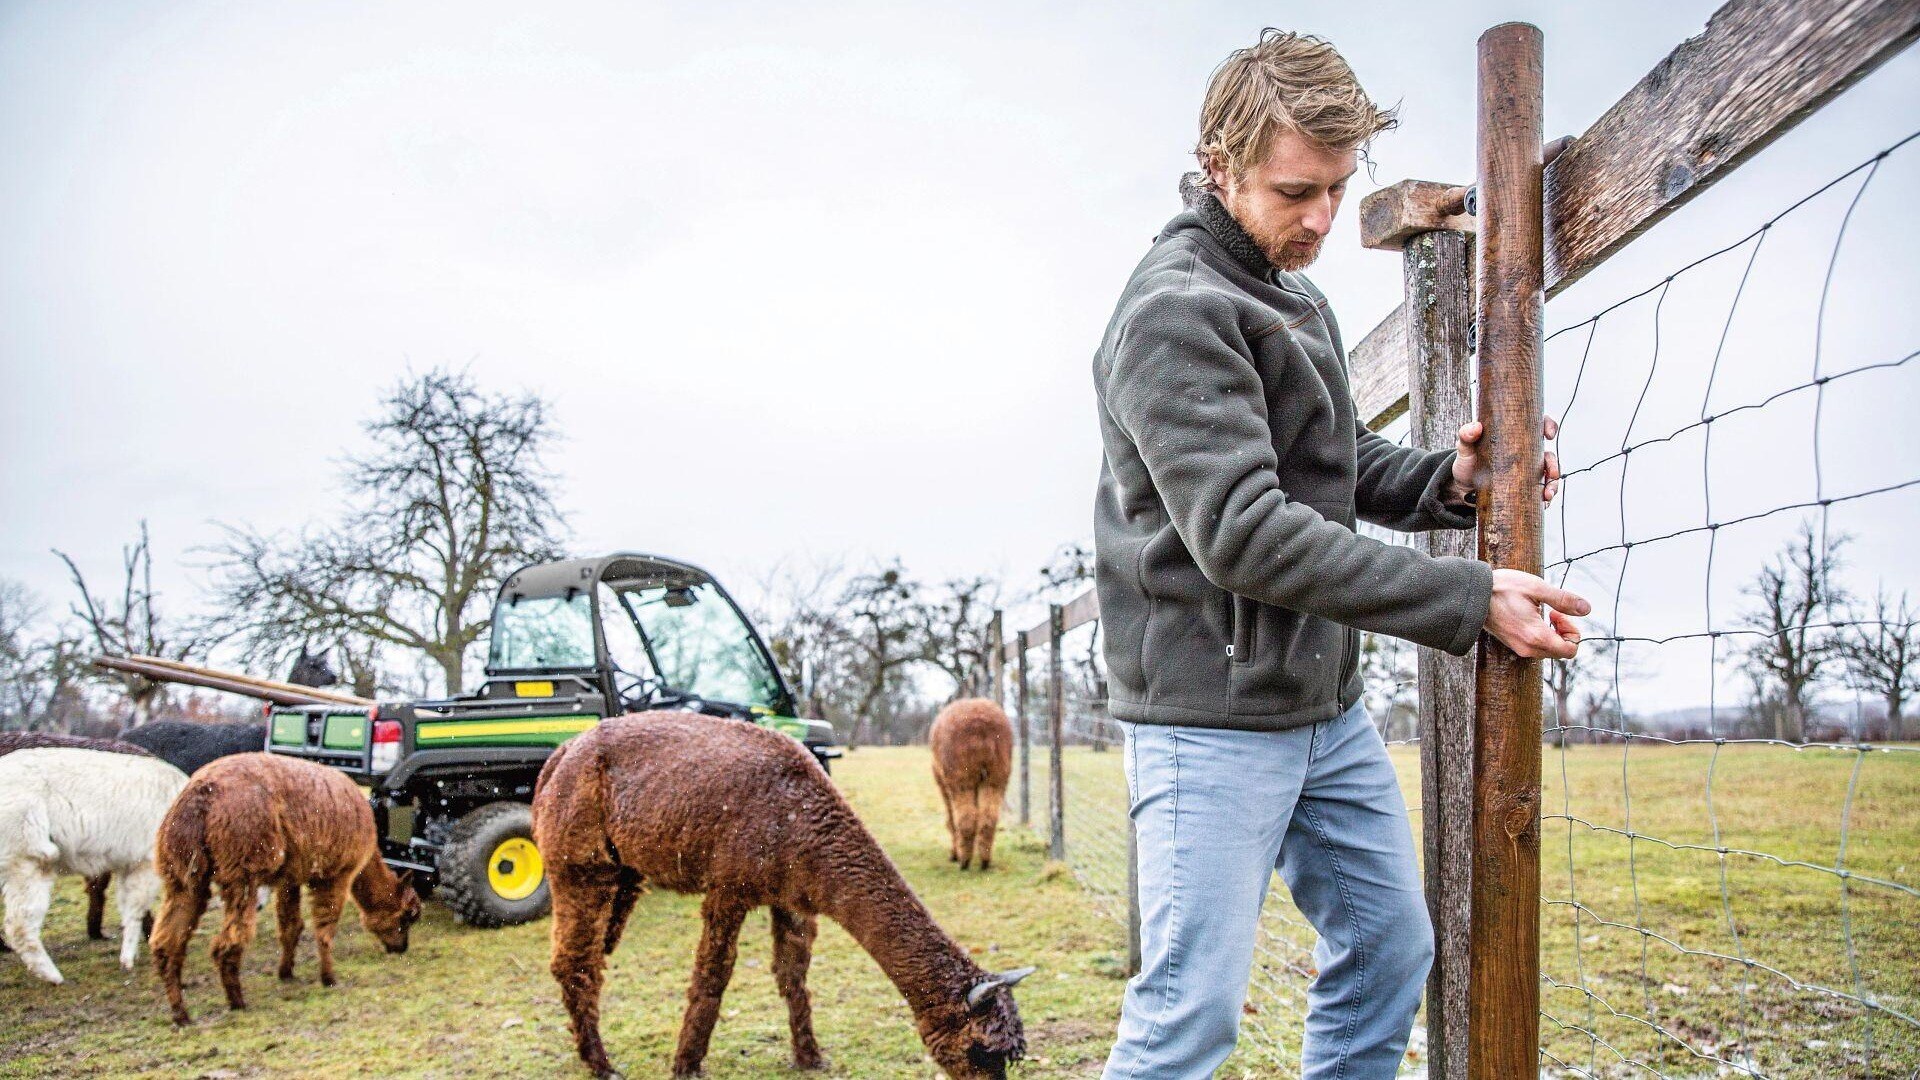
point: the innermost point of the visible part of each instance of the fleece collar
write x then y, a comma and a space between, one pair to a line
1207, 207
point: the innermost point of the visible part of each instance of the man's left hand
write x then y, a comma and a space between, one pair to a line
1467, 471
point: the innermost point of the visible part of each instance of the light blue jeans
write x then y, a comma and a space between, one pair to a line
1216, 813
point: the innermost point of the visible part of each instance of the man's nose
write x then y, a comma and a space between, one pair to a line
1318, 219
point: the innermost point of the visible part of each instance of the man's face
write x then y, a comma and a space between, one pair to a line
1287, 202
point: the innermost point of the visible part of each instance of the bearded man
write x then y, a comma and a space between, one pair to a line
1233, 589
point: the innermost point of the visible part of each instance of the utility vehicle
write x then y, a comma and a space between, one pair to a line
572, 642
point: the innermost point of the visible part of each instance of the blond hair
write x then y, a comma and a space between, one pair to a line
1287, 81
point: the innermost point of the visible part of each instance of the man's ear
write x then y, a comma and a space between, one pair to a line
1217, 174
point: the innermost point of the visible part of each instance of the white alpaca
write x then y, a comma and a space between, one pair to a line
84, 812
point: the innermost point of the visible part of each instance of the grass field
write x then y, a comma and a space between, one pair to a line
479, 1002
1625, 1003
464, 1002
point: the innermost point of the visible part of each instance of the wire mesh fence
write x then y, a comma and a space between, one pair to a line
1729, 889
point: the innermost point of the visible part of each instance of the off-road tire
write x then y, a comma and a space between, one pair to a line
462, 867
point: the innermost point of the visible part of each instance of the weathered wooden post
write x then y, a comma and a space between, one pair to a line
1026, 728
996, 660
1057, 722
1503, 1025
1428, 224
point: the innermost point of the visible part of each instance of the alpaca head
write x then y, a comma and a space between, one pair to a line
983, 1033
389, 907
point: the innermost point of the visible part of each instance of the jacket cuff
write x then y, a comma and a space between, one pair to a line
1478, 598
1434, 506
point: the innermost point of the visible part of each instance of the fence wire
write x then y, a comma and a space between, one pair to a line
1727, 890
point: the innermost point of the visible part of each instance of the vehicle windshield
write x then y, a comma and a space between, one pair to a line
701, 644
543, 632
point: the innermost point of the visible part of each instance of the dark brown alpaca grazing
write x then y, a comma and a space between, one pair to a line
972, 758
252, 820
34, 740
698, 804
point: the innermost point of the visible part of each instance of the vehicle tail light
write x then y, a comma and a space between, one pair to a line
373, 713
386, 745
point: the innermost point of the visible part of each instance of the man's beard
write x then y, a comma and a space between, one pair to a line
1276, 245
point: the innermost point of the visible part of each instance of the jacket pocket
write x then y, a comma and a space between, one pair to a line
1245, 613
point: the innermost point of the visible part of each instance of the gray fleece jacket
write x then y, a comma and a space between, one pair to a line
1232, 584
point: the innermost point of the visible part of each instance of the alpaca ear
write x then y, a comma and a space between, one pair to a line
406, 877
988, 985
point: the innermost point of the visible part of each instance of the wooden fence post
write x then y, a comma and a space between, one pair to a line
996, 660
1057, 722
1503, 1028
1439, 291
1026, 728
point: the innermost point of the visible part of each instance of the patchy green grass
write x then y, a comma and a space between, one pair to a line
1627, 1003
465, 1002
479, 1002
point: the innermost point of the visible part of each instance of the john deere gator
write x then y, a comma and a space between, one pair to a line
572, 642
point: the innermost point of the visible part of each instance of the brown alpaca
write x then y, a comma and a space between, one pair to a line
252, 820
96, 886
698, 804
972, 758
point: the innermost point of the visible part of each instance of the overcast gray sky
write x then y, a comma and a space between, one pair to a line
797, 279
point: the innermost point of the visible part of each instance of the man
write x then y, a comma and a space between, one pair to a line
1233, 588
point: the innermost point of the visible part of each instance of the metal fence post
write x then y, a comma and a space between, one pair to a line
1503, 1034
1057, 788
1026, 728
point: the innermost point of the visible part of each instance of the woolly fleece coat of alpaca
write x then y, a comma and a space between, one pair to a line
190, 746
700, 804
252, 820
32, 740
86, 812
972, 743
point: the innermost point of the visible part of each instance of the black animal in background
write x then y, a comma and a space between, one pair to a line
312, 669
187, 746
34, 740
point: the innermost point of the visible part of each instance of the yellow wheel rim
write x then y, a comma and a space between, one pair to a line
514, 869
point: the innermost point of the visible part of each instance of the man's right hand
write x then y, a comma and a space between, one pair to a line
1513, 616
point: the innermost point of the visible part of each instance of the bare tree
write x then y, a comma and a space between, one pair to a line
798, 613
452, 497
131, 624
1592, 666
879, 607
1795, 594
953, 631
1883, 658
1387, 672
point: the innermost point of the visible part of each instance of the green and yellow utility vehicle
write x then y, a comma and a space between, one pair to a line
572, 642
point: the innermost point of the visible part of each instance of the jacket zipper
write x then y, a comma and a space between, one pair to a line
1348, 654
1241, 651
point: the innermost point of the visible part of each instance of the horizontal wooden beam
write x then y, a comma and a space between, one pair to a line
1759, 68
1080, 610
1393, 215
1377, 371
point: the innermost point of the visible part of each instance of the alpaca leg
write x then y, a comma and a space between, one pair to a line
967, 824
990, 798
582, 905
327, 899
28, 893
138, 889
792, 952
953, 833
180, 911
712, 968
286, 906
97, 907
625, 894
239, 919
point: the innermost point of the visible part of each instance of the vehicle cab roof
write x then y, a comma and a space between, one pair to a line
624, 570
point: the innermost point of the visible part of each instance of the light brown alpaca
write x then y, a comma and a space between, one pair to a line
699, 804
250, 820
972, 758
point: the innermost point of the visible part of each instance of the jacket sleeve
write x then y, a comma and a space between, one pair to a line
1404, 488
1183, 388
